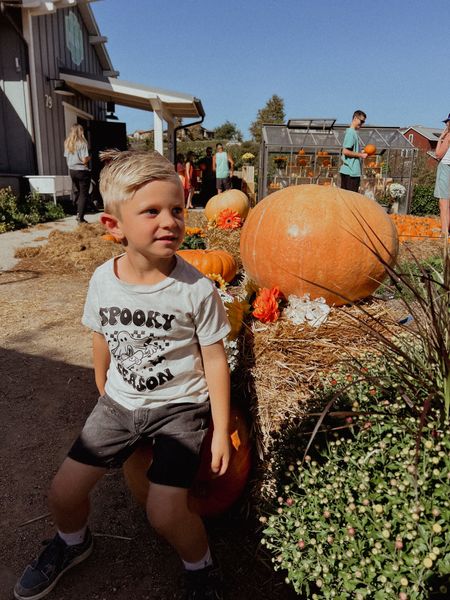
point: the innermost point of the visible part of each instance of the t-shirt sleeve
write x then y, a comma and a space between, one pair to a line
349, 139
211, 320
82, 151
91, 314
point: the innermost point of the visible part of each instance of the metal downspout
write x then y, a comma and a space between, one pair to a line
200, 109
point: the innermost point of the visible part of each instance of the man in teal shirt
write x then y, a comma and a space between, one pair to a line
223, 166
351, 156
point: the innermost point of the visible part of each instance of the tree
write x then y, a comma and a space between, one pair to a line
273, 112
228, 131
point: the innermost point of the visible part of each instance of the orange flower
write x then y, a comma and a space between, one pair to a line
229, 219
265, 306
194, 231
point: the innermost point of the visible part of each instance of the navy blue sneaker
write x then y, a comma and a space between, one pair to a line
204, 584
41, 576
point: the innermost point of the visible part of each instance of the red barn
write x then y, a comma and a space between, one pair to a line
425, 139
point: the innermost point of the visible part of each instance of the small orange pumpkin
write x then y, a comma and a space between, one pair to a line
211, 261
109, 237
301, 162
301, 151
234, 199
370, 149
209, 495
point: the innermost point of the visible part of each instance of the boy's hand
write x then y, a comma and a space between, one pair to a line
221, 451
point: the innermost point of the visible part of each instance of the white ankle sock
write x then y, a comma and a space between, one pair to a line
71, 539
206, 561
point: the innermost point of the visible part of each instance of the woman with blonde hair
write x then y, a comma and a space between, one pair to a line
77, 157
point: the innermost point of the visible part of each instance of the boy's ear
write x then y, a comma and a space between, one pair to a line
112, 225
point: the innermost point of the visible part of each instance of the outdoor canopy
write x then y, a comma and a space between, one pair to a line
166, 105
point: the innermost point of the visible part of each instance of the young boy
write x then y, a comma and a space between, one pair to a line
160, 368
351, 156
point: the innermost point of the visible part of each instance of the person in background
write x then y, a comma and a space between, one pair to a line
351, 156
181, 168
190, 178
208, 188
223, 165
442, 187
162, 375
77, 157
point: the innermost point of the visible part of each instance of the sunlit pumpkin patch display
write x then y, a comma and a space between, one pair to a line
318, 240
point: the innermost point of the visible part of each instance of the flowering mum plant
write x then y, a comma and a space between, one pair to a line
266, 306
235, 311
360, 518
397, 191
248, 157
193, 239
218, 280
229, 219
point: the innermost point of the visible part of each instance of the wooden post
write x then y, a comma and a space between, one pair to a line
248, 182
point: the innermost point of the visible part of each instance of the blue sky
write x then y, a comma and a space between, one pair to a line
325, 58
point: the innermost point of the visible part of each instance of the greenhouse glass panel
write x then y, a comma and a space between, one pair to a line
309, 151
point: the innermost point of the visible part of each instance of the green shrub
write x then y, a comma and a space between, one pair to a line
350, 522
367, 516
193, 241
423, 201
16, 213
10, 215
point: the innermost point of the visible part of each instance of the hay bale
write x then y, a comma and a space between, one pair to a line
283, 363
80, 251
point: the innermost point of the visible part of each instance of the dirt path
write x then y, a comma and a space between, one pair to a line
46, 392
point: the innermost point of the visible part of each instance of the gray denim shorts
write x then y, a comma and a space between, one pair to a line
112, 432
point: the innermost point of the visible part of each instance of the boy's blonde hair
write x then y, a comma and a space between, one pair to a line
125, 172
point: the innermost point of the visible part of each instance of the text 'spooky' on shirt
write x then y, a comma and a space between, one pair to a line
154, 334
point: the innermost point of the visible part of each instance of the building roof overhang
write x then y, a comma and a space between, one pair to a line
133, 95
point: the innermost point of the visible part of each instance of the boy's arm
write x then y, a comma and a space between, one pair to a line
218, 379
102, 358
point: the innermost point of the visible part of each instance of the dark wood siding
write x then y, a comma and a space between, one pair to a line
16, 144
51, 55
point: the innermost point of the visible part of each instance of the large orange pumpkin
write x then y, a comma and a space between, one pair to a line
211, 261
310, 239
234, 199
370, 149
209, 495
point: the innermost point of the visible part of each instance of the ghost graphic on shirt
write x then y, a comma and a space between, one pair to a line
131, 352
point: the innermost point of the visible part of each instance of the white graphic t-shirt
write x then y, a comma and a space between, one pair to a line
154, 334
